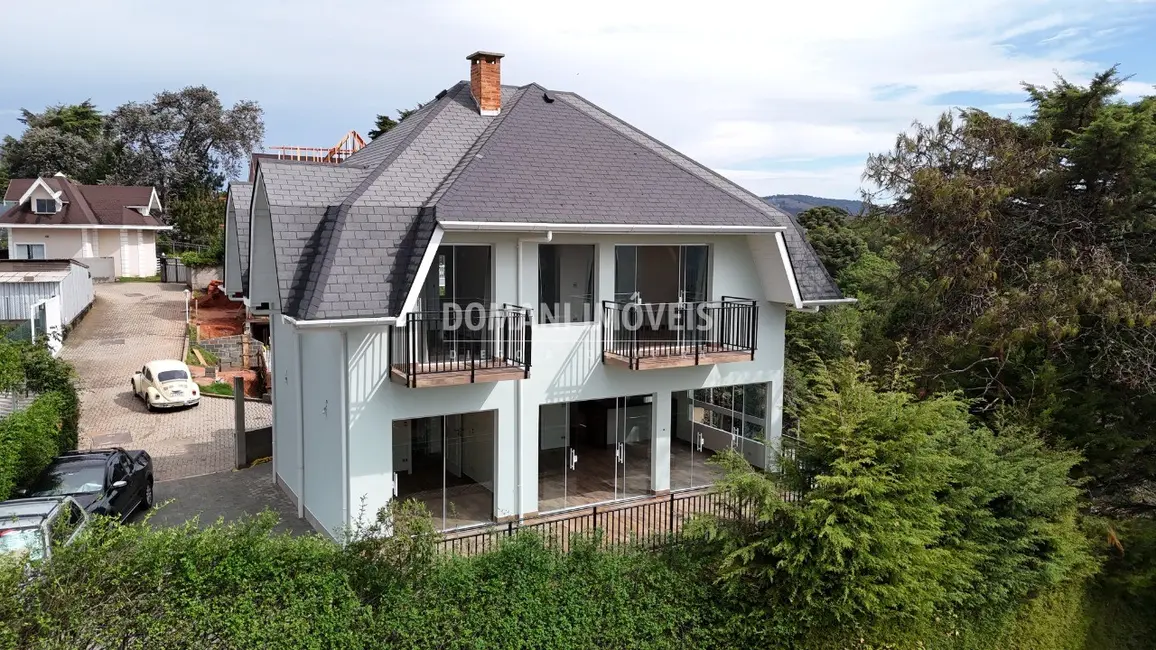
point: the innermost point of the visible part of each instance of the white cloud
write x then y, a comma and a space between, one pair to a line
731, 82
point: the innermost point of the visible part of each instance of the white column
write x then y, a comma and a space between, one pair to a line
141, 265
506, 462
528, 417
95, 239
774, 426
660, 443
124, 268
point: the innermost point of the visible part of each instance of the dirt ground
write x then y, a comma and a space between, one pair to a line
215, 315
252, 389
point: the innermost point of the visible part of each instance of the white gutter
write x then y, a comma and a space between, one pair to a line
606, 228
549, 236
328, 323
830, 301
84, 227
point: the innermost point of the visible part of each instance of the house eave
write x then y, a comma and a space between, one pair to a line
604, 228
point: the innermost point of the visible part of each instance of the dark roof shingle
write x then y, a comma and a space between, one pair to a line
348, 238
97, 205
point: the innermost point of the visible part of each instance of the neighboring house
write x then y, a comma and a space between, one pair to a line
237, 239
624, 312
55, 218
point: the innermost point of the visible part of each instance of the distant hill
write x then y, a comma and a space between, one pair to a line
796, 203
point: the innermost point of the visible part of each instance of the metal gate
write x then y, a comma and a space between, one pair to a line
173, 270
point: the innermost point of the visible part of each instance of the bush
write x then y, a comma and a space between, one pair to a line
913, 521
29, 439
226, 586
197, 259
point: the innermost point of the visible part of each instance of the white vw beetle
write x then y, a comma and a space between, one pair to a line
165, 384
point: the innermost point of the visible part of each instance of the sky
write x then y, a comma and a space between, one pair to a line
781, 97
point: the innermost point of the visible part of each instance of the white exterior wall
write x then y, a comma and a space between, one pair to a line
322, 411
232, 277
59, 243
566, 367
262, 265
147, 253
75, 293
109, 244
286, 391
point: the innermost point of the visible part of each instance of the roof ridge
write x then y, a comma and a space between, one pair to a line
470, 155
79, 199
320, 275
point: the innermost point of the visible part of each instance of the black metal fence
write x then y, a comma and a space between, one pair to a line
467, 341
172, 270
647, 525
648, 330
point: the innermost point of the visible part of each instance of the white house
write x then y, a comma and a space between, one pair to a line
55, 218
621, 310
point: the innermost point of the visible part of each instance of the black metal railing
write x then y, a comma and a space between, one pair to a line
650, 525
469, 340
638, 331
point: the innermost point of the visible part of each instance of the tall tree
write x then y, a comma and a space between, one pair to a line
384, 123
66, 138
183, 140
1027, 266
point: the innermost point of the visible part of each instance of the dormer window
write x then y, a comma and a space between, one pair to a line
44, 206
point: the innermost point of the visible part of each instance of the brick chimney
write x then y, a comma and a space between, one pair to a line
486, 81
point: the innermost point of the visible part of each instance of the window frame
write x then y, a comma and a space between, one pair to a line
590, 315
36, 203
28, 249
709, 400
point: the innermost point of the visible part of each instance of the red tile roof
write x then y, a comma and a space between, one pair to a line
97, 205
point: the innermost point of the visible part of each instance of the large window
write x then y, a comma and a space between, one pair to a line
565, 283
29, 251
45, 206
740, 410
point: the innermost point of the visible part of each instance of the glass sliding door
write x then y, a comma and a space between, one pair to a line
557, 460
446, 463
629, 425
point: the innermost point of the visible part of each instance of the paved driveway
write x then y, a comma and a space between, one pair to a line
226, 495
130, 324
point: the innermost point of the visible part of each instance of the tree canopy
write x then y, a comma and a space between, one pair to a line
186, 143
384, 123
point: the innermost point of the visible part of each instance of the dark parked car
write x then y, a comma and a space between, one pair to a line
110, 482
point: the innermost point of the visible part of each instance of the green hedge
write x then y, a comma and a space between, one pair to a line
30, 438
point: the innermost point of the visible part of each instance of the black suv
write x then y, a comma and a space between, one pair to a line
110, 482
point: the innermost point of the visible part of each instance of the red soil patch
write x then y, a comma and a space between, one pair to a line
216, 315
249, 376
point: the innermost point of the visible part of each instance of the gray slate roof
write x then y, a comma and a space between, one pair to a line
240, 200
348, 239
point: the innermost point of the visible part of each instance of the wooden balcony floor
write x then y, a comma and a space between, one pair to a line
429, 374
656, 356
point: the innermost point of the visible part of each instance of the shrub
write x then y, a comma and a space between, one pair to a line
29, 439
224, 586
913, 520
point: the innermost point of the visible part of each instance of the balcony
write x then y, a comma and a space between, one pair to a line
453, 347
647, 336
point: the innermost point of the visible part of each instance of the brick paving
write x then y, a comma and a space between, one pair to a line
227, 495
130, 324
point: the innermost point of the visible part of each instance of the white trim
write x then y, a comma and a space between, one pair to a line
788, 267
41, 182
830, 301
427, 260
124, 253
82, 226
338, 322
606, 228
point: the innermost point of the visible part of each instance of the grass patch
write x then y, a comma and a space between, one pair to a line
192, 360
218, 388
150, 278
